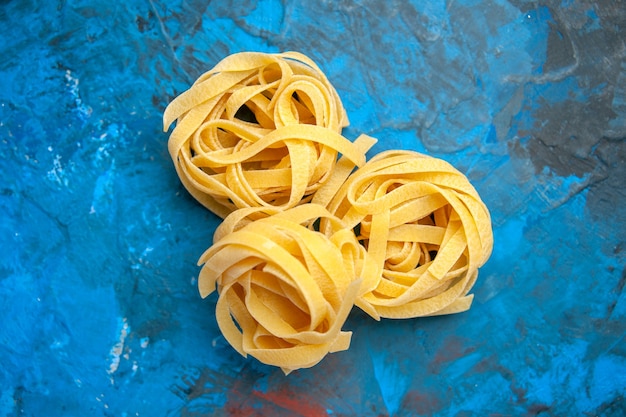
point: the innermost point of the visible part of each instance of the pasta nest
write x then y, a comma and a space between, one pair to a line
258, 130
285, 290
426, 231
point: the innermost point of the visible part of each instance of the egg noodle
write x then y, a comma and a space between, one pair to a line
310, 228
285, 290
425, 229
258, 130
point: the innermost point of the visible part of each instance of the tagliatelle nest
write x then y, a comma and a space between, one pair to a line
258, 130
285, 290
426, 231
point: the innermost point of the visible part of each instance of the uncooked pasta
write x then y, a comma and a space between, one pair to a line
426, 231
258, 130
285, 290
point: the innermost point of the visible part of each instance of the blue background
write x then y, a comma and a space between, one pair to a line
99, 241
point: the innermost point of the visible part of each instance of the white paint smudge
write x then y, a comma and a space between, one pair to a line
118, 348
146, 252
72, 83
57, 174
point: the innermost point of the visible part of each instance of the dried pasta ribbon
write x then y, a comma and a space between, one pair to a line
258, 130
426, 231
285, 290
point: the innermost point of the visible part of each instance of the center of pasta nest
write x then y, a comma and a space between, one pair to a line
284, 299
405, 255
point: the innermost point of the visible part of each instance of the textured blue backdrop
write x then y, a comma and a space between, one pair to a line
100, 310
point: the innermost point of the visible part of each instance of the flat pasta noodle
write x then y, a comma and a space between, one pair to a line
284, 289
259, 130
426, 230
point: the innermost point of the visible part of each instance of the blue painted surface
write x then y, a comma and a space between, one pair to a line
101, 314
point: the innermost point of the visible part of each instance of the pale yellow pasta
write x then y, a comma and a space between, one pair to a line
426, 231
285, 290
258, 130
